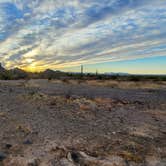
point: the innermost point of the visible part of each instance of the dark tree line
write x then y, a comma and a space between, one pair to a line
16, 73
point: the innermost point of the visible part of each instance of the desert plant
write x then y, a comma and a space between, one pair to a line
66, 81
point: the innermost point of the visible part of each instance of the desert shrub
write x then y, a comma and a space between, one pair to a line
50, 78
134, 78
65, 80
81, 81
99, 77
115, 77
163, 78
6, 76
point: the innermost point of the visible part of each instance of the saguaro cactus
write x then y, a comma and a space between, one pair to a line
82, 70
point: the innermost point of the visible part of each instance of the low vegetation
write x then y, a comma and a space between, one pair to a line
16, 74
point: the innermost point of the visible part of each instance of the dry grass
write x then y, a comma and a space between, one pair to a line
24, 129
158, 114
3, 115
84, 107
130, 156
103, 101
127, 84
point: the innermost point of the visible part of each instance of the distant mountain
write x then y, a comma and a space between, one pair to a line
18, 73
51, 74
2, 70
17, 70
48, 71
3, 73
117, 74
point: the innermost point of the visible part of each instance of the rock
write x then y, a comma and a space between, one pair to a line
21, 161
114, 133
82, 158
65, 162
27, 142
74, 156
2, 156
8, 146
33, 162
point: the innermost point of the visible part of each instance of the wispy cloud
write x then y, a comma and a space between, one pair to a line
57, 33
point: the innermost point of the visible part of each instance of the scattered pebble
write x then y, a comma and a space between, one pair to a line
2, 156
27, 142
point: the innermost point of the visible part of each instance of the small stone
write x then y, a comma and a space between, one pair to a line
27, 142
65, 162
8, 146
2, 156
33, 162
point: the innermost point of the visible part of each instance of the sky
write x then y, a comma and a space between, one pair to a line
104, 35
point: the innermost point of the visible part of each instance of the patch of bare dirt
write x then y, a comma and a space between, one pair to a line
53, 123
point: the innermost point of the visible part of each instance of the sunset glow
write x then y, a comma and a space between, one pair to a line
62, 35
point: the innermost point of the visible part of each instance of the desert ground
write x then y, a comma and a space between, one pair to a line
82, 123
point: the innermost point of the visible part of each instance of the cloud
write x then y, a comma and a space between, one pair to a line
58, 34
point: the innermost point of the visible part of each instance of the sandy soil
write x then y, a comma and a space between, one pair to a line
52, 123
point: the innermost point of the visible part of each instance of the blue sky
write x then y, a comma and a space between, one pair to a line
154, 65
108, 35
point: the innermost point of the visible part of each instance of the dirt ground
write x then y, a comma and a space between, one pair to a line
56, 123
